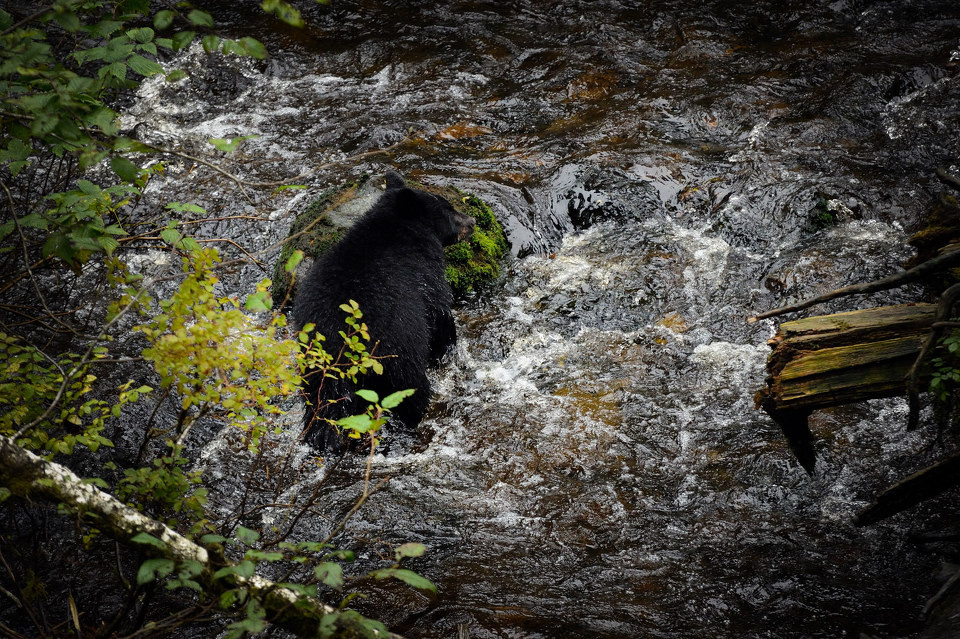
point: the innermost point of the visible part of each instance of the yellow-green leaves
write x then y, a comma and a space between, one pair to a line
46, 399
220, 360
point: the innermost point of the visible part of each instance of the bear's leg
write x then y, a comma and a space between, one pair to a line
444, 335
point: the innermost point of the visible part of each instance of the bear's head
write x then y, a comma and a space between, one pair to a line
434, 211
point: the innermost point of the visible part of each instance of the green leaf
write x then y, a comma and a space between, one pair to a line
17, 154
373, 627
229, 145
189, 244
191, 208
259, 302
210, 43
153, 569
163, 19
109, 245
200, 18
330, 573
254, 47
141, 34
106, 27
183, 39
117, 69
357, 423
68, 20
289, 187
213, 539
407, 576
170, 236
34, 221
411, 549
293, 261
104, 118
149, 540
244, 569
143, 66
393, 400
247, 536
124, 168
283, 11
368, 395
59, 245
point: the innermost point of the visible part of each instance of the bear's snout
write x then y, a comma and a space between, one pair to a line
467, 224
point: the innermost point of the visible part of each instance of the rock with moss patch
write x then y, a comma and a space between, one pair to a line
471, 264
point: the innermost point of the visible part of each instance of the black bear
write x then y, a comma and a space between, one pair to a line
391, 262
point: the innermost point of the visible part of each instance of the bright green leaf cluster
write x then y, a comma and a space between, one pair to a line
217, 358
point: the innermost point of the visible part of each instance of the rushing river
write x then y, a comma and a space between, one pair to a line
593, 465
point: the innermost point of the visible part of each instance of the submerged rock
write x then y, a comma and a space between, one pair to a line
470, 264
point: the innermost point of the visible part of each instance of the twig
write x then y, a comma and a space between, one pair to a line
33, 16
891, 281
320, 167
26, 608
11, 633
67, 377
242, 250
238, 181
948, 178
26, 262
367, 492
944, 310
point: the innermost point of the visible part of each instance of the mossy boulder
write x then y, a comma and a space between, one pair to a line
470, 264
475, 262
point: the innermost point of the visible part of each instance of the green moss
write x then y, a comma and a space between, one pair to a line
470, 264
475, 262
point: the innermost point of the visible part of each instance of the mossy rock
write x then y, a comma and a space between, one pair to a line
471, 264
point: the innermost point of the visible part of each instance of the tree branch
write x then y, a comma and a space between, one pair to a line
891, 281
28, 475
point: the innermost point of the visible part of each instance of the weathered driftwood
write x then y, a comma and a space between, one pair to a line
829, 360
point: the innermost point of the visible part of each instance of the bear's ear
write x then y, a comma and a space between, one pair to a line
394, 181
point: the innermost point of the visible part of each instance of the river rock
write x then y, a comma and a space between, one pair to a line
471, 264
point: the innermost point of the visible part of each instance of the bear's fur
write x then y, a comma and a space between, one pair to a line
391, 262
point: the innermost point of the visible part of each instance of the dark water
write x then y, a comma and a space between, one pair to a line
594, 466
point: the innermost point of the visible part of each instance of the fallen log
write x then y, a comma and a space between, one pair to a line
27, 475
829, 360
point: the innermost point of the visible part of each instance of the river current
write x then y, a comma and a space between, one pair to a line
593, 465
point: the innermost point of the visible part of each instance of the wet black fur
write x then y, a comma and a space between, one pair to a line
391, 262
